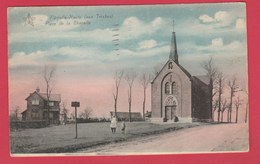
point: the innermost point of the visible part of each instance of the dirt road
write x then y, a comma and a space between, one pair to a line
222, 137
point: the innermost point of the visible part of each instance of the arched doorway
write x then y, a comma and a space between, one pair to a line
170, 108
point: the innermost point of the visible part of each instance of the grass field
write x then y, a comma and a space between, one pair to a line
61, 139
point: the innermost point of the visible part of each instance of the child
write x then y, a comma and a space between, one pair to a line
113, 124
123, 127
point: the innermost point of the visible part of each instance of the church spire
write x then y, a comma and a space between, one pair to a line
174, 53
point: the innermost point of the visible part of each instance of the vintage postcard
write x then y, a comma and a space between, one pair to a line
135, 79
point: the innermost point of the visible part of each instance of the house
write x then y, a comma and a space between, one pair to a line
176, 95
37, 107
124, 116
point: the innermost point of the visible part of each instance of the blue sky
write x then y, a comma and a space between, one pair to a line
85, 51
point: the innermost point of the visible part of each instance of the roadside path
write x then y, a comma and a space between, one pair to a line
221, 137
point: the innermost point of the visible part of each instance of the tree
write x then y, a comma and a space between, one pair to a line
14, 113
48, 75
215, 106
220, 82
130, 78
145, 79
117, 78
237, 104
245, 90
156, 69
64, 111
86, 113
233, 89
224, 106
211, 72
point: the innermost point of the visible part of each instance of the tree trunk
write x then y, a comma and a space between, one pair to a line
246, 112
130, 102
236, 114
222, 116
230, 110
115, 106
219, 105
144, 104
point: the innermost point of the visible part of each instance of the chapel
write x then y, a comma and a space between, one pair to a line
177, 96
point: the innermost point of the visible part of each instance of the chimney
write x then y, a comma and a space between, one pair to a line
38, 89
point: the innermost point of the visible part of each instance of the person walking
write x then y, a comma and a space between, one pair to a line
113, 124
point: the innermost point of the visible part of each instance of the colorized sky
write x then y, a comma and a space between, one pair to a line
87, 44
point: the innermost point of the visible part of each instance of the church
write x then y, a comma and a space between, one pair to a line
177, 96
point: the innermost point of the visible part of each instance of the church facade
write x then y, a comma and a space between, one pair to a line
177, 96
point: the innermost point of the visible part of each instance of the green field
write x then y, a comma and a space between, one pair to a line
61, 139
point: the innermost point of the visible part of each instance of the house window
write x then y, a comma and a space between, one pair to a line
35, 102
167, 88
174, 88
51, 103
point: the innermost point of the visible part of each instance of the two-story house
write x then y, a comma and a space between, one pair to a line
37, 107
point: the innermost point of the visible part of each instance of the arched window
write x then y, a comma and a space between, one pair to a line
174, 88
170, 65
167, 88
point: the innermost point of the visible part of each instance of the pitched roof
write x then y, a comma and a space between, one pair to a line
203, 78
53, 97
181, 67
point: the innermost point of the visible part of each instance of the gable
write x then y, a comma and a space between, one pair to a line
174, 67
34, 94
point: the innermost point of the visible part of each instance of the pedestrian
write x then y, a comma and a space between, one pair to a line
113, 124
123, 127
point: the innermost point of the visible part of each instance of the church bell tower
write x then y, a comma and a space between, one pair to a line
173, 52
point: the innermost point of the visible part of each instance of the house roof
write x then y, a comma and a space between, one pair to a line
24, 111
53, 97
203, 78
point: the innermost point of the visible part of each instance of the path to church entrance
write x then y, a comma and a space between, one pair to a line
223, 137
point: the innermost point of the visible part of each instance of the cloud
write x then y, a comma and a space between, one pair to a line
240, 24
68, 56
206, 19
217, 42
146, 44
133, 27
221, 18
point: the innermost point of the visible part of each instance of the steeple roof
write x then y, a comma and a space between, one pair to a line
174, 52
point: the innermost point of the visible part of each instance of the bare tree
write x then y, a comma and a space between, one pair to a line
64, 111
245, 90
233, 89
156, 69
224, 106
14, 113
220, 82
237, 104
72, 115
117, 77
145, 79
211, 71
130, 78
48, 75
215, 106
86, 113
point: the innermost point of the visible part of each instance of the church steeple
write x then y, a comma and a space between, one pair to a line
174, 53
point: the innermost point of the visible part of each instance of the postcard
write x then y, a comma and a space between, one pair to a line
128, 79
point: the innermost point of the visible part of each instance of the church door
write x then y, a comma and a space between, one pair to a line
170, 112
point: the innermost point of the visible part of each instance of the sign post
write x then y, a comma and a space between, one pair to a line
75, 104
